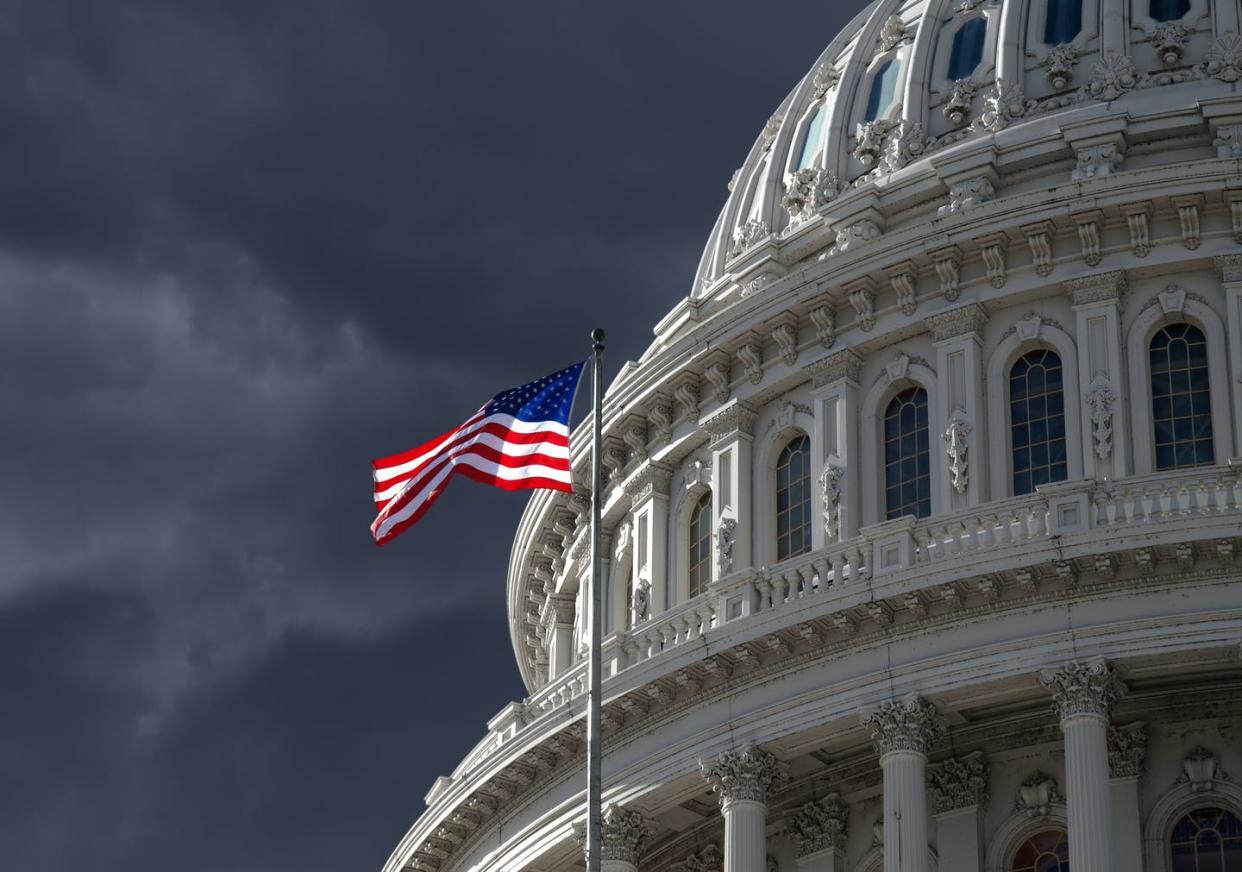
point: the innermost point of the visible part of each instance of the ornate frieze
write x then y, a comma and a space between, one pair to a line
734, 419
1098, 288
744, 776
962, 321
909, 724
820, 825
1127, 749
648, 479
1111, 76
1229, 266
959, 782
1082, 688
1037, 794
843, 364
857, 235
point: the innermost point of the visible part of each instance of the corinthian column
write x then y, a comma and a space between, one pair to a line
742, 780
902, 731
623, 835
1083, 695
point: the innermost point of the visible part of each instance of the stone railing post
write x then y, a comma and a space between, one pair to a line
903, 731
742, 780
818, 831
1083, 695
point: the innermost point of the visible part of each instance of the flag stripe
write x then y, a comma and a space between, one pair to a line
515, 433
492, 449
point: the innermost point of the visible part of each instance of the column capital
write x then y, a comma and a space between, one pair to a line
745, 775
959, 782
840, 365
1230, 267
650, 479
909, 724
624, 833
1127, 749
1102, 287
1080, 688
707, 860
820, 825
735, 419
967, 320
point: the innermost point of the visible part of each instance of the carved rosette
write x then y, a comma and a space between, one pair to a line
1127, 749
744, 776
959, 783
910, 724
623, 835
1111, 76
820, 825
1077, 688
1224, 58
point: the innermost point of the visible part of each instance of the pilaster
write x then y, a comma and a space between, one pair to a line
818, 831
647, 488
1127, 749
1230, 266
960, 790
731, 430
1101, 381
557, 619
834, 446
957, 335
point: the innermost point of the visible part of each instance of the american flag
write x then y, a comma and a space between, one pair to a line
518, 440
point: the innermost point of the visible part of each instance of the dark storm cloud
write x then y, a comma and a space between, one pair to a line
244, 247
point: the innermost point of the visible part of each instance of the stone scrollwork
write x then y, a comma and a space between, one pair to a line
869, 140
1079, 688
1127, 748
749, 234
957, 447
830, 492
1224, 58
1003, 103
959, 782
744, 776
1059, 66
707, 860
1037, 794
806, 190
820, 825
826, 78
825, 321
892, 33
909, 724
726, 537
958, 104
1100, 401
1111, 76
1169, 40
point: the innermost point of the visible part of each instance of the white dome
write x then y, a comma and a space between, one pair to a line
949, 430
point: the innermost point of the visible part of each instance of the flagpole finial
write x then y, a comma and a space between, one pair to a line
597, 336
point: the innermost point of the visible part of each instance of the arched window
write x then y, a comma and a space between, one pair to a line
1207, 840
1043, 852
1037, 421
967, 48
1181, 402
810, 141
883, 90
1062, 21
1168, 10
793, 499
907, 462
700, 561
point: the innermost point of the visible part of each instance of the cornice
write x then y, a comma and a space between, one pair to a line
967, 320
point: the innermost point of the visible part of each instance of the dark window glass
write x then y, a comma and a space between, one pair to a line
1062, 21
1207, 840
1043, 852
793, 499
883, 91
1168, 10
701, 545
1037, 421
1181, 402
907, 478
967, 48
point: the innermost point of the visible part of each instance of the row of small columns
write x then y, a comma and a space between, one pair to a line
903, 731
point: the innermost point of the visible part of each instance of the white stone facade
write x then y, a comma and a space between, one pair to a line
926, 689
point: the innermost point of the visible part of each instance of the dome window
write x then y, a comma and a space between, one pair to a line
1037, 421
907, 461
810, 142
967, 48
883, 90
1168, 10
793, 499
1207, 838
1063, 20
701, 545
1181, 402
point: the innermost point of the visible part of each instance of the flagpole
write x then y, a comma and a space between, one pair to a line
594, 767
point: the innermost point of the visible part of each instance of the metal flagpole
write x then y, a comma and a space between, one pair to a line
594, 769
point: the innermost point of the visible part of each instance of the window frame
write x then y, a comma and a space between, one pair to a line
785, 444
915, 372
1172, 806
883, 470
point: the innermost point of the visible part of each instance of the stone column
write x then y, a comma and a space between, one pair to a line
957, 335
648, 492
834, 447
623, 836
1230, 266
960, 789
903, 730
1101, 380
1083, 695
742, 779
818, 831
1127, 748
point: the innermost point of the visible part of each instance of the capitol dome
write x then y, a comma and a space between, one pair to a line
923, 510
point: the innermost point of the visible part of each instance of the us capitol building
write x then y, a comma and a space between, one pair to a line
924, 508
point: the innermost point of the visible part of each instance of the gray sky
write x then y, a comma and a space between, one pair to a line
244, 248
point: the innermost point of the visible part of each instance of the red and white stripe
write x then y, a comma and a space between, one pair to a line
495, 449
